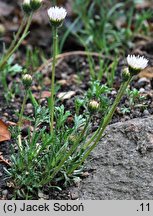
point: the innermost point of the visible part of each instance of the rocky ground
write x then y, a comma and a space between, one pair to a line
121, 164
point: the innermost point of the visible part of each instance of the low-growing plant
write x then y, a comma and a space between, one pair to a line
57, 143
108, 26
135, 99
134, 96
125, 110
9, 70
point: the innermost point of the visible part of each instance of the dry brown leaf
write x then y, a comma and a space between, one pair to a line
10, 123
44, 94
62, 82
4, 160
148, 73
4, 132
66, 95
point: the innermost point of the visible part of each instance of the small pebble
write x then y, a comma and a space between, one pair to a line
6, 114
40, 194
29, 108
151, 105
143, 82
147, 88
74, 195
146, 113
64, 76
113, 92
141, 90
127, 118
136, 114
5, 192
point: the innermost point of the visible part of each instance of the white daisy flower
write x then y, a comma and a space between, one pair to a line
57, 14
26, 7
31, 5
26, 2
137, 62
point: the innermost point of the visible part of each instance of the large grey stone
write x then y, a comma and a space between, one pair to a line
122, 163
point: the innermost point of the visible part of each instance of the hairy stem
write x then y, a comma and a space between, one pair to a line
22, 109
55, 37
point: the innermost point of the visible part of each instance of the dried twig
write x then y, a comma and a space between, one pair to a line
73, 53
4, 160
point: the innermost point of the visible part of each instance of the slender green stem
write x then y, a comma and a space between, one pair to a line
17, 35
92, 138
22, 109
20, 120
116, 102
106, 121
20, 143
13, 49
55, 37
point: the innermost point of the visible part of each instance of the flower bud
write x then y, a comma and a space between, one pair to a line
27, 80
35, 4
26, 7
125, 74
2, 29
93, 106
57, 15
72, 139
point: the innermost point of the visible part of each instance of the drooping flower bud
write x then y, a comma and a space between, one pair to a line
125, 74
57, 15
27, 80
93, 105
136, 64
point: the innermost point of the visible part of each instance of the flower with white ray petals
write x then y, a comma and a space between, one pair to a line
26, 7
136, 63
26, 2
31, 5
57, 14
